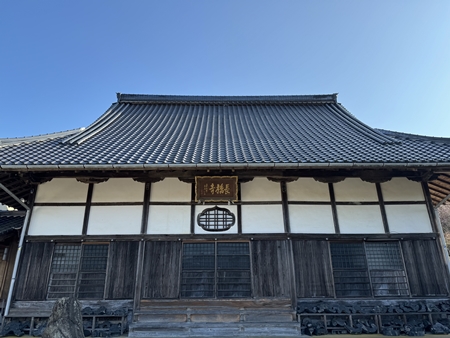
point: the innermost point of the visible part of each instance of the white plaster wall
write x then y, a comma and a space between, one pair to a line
360, 219
307, 189
169, 219
115, 220
402, 189
260, 189
232, 230
118, 190
355, 190
408, 218
314, 219
170, 190
262, 219
60, 220
62, 190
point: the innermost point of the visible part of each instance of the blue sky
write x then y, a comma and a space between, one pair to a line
63, 61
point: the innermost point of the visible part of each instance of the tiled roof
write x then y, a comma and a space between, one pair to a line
151, 131
11, 220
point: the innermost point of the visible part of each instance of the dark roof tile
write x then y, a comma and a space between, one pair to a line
151, 130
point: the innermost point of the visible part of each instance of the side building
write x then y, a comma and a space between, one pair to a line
187, 215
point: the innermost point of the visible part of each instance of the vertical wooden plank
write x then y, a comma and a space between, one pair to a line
333, 208
285, 207
10, 267
270, 265
87, 208
193, 218
425, 268
33, 275
138, 278
239, 211
146, 207
313, 269
382, 208
293, 280
161, 272
123, 262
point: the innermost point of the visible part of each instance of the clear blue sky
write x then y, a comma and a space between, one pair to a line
63, 61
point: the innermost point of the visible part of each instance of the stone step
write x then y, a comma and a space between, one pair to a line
193, 329
162, 310
215, 317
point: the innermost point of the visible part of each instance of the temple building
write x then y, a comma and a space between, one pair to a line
197, 215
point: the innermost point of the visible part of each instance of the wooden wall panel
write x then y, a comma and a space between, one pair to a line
161, 275
123, 258
426, 271
313, 272
271, 269
33, 275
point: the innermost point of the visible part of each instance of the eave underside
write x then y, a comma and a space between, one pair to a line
22, 184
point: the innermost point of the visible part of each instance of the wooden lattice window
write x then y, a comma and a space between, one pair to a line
364, 269
78, 270
216, 219
351, 278
387, 272
216, 270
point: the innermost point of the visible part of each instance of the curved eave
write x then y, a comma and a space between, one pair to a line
175, 166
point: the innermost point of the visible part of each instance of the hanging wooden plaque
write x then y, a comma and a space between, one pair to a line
216, 188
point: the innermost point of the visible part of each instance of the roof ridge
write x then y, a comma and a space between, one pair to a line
271, 99
392, 133
41, 137
364, 128
97, 126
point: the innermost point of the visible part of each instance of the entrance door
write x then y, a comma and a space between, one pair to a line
216, 270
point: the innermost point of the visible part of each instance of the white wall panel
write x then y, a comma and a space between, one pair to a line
170, 190
355, 190
199, 229
402, 189
119, 190
62, 190
313, 219
408, 219
115, 220
169, 219
360, 219
262, 219
307, 189
62, 221
260, 189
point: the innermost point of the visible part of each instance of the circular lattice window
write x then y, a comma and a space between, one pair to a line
216, 219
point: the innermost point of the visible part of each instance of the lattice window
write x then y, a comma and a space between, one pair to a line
216, 219
197, 279
78, 270
92, 273
351, 278
216, 270
386, 269
369, 268
64, 269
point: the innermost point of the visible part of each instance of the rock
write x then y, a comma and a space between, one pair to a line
39, 329
14, 327
101, 311
390, 331
65, 320
87, 311
438, 328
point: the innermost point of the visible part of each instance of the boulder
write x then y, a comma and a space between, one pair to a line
65, 320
